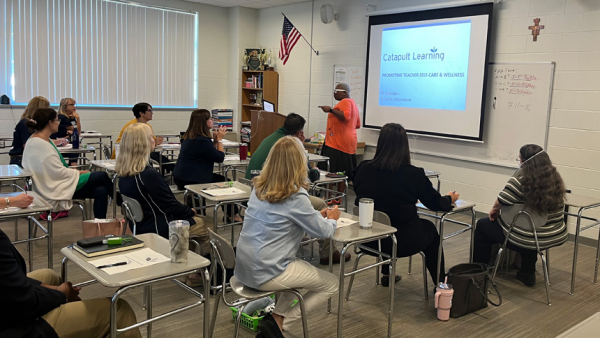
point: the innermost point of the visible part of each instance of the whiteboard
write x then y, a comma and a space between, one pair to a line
517, 113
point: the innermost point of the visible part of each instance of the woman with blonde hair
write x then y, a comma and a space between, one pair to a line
138, 180
68, 108
22, 133
279, 213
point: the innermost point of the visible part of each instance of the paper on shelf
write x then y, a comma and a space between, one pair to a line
135, 260
232, 158
224, 191
343, 222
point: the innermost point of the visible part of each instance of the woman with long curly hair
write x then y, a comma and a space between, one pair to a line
538, 187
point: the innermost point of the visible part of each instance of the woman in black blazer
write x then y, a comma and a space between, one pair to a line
199, 153
395, 186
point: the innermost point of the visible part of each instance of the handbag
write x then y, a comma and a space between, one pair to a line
103, 227
470, 282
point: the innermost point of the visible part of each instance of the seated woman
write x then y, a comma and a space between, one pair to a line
67, 113
22, 133
52, 178
395, 186
199, 154
138, 180
279, 212
537, 186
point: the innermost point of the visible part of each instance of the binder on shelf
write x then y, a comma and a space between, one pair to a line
223, 117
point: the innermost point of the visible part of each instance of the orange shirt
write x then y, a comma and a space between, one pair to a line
134, 121
341, 135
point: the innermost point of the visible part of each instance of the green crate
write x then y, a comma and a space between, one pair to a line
249, 322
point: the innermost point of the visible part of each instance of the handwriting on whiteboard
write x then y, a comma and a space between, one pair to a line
510, 81
519, 105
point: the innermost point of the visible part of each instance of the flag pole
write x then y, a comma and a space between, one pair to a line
308, 43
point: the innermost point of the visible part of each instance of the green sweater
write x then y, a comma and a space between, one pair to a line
260, 155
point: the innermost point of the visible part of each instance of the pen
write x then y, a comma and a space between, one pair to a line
111, 265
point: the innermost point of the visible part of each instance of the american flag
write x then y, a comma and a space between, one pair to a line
289, 37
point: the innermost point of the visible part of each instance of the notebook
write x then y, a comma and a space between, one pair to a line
105, 249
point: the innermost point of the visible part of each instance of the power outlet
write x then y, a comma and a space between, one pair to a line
2, 144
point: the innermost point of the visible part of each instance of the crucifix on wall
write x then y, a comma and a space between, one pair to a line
535, 29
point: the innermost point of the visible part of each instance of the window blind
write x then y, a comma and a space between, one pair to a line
99, 52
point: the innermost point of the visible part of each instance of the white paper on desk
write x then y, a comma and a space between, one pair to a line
109, 165
9, 210
223, 191
343, 222
229, 143
232, 158
135, 260
66, 146
170, 145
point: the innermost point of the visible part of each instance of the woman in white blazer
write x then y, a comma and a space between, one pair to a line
53, 179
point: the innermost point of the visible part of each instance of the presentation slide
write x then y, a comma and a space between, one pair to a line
427, 70
425, 66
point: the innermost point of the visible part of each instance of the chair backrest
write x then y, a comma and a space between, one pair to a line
245, 181
133, 206
225, 253
107, 151
378, 216
523, 217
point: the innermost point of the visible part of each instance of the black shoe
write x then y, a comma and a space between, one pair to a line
385, 280
268, 327
527, 278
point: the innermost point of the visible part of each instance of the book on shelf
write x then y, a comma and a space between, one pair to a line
130, 243
223, 117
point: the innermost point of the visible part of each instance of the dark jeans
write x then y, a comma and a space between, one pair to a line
215, 179
99, 187
412, 240
165, 167
488, 233
17, 161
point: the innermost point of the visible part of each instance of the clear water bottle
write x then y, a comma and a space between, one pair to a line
75, 138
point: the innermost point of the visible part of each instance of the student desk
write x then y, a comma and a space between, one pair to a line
460, 206
170, 149
582, 203
436, 175
109, 167
353, 235
318, 158
37, 207
12, 172
237, 199
232, 163
98, 137
82, 151
145, 277
321, 185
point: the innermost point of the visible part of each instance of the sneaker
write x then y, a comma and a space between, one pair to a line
335, 201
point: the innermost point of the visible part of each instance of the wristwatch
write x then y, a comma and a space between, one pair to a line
330, 110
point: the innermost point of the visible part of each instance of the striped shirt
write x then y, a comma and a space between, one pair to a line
553, 233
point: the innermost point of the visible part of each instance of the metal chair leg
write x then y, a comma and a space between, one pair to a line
546, 277
213, 320
352, 277
238, 319
597, 258
548, 263
302, 312
424, 277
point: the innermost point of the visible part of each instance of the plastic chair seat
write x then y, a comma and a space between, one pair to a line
246, 291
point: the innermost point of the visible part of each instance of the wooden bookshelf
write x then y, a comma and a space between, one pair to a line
269, 89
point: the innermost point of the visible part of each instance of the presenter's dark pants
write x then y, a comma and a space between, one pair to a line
488, 233
421, 237
99, 187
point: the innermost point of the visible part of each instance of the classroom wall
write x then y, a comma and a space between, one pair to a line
571, 38
213, 37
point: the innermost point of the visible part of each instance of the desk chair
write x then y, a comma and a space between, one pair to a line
382, 218
225, 257
107, 151
528, 221
133, 212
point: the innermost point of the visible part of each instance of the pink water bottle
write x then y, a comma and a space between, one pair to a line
243, 151
443, 300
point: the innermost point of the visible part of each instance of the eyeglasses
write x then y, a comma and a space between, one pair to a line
339, 90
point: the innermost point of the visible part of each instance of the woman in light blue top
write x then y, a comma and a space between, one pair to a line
279, 212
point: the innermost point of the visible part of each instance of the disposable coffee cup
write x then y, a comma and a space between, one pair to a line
366, 206
116, 150
179, 238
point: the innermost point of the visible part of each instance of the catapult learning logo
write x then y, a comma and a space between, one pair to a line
433, 54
